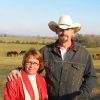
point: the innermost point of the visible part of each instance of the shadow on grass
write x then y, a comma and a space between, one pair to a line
97, 70
97, 97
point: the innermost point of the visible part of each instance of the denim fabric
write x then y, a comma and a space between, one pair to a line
72, 78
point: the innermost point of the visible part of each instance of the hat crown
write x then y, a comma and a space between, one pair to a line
65, 20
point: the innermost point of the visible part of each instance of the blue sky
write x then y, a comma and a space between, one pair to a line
31, 17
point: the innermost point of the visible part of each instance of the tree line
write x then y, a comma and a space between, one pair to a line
91, 41
88, 40
26, 42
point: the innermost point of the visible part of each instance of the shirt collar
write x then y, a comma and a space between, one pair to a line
69, 48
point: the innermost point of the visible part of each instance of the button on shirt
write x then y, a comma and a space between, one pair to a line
63, 53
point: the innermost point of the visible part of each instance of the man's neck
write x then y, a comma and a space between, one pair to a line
66, 44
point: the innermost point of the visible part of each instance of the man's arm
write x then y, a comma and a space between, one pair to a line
89, 79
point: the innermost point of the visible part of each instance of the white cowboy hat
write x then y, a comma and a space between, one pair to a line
65, 22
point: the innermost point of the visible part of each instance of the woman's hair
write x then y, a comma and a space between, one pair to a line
36, 54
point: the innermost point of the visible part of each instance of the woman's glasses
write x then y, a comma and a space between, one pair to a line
32, 63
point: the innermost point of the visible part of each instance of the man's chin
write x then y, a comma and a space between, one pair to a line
64, 40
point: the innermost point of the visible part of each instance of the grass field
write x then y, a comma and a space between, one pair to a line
9, 63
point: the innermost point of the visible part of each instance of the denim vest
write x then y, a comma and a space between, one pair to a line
67, 79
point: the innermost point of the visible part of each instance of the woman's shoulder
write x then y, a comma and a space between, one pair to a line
13, 84
40, 77
14, 81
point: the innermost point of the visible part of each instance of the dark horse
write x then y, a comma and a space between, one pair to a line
12, 53
22, 52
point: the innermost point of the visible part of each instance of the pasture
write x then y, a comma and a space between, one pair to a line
24, 43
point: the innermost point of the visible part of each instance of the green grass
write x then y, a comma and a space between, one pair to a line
9, 63
26, 39
94, 50
16, 47
6, 65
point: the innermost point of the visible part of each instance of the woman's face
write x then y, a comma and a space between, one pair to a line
31, 65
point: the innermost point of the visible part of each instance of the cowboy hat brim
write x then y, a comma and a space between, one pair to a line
53, 26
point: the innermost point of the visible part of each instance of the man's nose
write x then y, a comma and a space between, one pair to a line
63, 31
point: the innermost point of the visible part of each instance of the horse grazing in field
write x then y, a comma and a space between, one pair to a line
22, 52
96, 56
12, 53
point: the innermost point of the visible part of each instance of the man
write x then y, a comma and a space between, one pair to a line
70, 73
69, 69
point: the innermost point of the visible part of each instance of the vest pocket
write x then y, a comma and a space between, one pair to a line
77, 71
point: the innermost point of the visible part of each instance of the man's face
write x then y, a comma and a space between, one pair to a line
65, 35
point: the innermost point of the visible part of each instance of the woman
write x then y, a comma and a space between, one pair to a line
31, 85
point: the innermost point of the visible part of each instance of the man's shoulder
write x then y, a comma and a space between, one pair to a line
81, 48
46, 47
